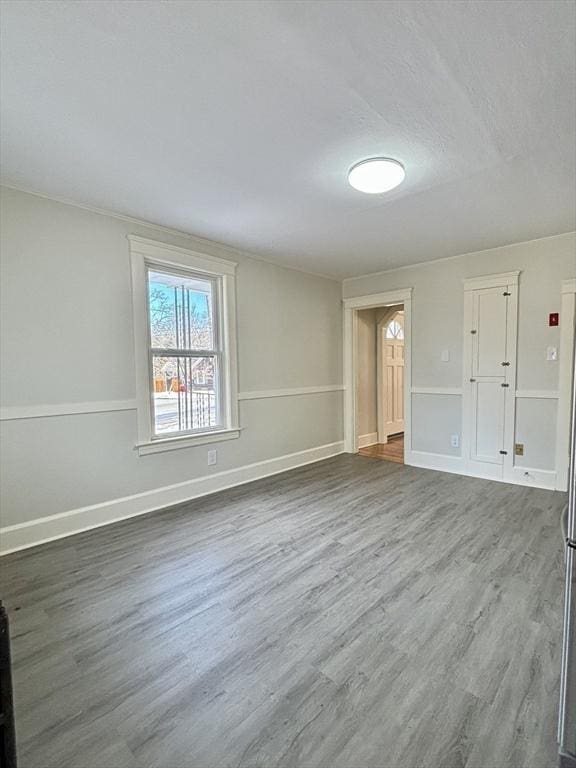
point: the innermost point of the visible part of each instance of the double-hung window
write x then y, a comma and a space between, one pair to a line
185, 346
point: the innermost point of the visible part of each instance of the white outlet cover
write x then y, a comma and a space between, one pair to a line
445, 355
454, 441
551, 353
212, 457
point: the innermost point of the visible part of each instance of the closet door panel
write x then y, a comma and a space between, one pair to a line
489, 342
488, 427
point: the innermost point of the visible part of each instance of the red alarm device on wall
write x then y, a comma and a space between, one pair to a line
553, 318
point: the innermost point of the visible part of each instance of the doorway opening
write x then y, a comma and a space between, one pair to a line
393, 450
380, 383
377, 365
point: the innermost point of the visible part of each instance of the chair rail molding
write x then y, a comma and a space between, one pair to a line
264, 394
17, 412
537, 394
48, 410
437, 391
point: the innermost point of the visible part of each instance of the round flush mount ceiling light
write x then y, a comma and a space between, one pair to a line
376, 175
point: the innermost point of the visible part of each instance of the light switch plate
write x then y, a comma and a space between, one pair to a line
212, 457
445, 355
551, 353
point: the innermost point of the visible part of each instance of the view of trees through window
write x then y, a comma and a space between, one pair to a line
183, 352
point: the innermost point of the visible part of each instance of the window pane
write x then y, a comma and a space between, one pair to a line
394, 330
184, 393
180, 311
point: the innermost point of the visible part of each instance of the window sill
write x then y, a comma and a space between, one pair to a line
186, 441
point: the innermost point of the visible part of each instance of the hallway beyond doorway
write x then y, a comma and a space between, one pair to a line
393, 450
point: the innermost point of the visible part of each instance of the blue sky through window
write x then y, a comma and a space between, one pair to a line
180, 311
198, 299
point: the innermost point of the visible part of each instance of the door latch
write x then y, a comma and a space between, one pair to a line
504, 453
473, 331
504, 363
472, 380
504, 385
506, 293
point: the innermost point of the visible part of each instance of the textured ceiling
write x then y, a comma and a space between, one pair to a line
238, 121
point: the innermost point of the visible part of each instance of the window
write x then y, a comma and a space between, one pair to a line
184, 352
185, 346
394, 330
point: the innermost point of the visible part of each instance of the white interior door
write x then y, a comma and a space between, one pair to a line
392, 395
491, 322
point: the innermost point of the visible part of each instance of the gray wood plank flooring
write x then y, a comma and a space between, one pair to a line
350, 614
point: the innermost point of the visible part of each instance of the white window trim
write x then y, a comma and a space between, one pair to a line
142, 253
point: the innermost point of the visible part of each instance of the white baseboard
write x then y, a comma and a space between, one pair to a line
535, 478
440, 461
369, 439
34, 532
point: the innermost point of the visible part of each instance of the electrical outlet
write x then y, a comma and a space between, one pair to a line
551, 353
454, 441
445, 355
212, 457
519, 449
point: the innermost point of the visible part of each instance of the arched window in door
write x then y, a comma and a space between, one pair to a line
394, 330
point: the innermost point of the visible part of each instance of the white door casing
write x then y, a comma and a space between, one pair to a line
351, 307
490, 330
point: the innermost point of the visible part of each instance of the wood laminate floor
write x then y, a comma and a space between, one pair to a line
393, 450
347, 614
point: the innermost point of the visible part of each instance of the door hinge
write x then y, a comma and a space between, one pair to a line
506, 293
504, 453
504, 363
473, 331
504, 385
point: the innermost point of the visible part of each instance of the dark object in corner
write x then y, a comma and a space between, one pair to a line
7, 734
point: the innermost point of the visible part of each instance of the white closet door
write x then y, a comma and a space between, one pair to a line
488, 379
490, 329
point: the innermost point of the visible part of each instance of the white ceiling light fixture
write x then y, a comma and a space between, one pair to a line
376, 175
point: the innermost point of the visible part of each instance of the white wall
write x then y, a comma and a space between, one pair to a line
434, 419
437, 324
67, 338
